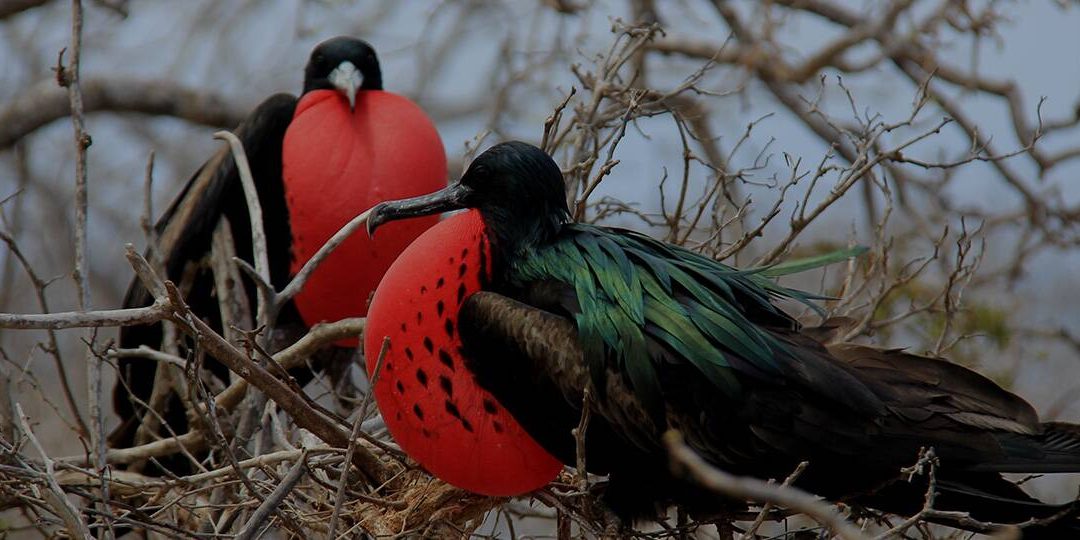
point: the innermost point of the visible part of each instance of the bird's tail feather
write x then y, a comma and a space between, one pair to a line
1055, 450
993, 499
989, 497
970, 498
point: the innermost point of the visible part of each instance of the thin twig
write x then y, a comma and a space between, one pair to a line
764, 513
83, 319
258, 233
69, 77
257, 523
57, 498
747, 488
339, 497
309, 267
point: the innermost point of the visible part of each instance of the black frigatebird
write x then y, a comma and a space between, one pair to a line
318, 161
500, 317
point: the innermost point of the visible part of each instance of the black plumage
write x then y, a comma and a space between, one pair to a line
668, 339
213, 195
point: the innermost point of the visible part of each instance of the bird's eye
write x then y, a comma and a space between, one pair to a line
319, 59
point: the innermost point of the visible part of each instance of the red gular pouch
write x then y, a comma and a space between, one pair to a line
430, 401
338, 163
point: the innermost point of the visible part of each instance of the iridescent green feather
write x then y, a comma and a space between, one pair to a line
632, 290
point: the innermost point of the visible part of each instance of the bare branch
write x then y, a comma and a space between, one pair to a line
257, 523
83, 319
14, 7
752, 489
309, 267
43, 104
265, 312
55, 495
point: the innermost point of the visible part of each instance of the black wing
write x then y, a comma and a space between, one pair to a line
528, 355
530, 359
184, 233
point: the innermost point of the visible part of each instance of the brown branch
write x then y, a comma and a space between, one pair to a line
324, 251
767, 509
257, 522
302, 413
55, 495
319, 336
68, 77
361, 415
9, 8
752, 489
83, 319
265, 312
294, 355
53, 344
42, 104
163, 447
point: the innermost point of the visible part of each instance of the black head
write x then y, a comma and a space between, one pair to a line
518, 189
344, 64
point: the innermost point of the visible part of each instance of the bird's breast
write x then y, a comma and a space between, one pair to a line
429, 400
336, 163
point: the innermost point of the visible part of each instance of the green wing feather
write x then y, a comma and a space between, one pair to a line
810, 263
633, 290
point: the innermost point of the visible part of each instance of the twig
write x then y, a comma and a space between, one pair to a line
582, 474
146, 220
309, 267
145, 273
233, 302
264, 312
213, 427
163, 447
304, 414
69, 77
294, 355
261, 461
43, 104
749, 534
83, 319
53, 347
339, 497
747, 488
57, 499
257, 522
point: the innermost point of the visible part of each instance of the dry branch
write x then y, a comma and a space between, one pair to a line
14, 7
758, 491
55, 495
82, 319
44, 103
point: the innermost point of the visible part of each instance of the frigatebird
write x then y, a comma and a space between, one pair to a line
318, 161
499, 318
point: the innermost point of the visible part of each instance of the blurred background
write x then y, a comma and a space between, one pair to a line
942, 133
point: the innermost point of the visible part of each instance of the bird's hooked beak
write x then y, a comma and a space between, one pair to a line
347, 79
452, 197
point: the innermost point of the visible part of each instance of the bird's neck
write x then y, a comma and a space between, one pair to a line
514, 235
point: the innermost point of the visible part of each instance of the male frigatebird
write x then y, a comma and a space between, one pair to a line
318, 161
500, 317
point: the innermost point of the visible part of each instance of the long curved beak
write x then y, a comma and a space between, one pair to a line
347, 79
451, 197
